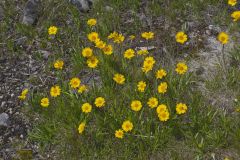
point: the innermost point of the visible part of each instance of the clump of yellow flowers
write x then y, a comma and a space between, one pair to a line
146, 88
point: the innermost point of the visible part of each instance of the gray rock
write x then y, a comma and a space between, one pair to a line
82, 5
31, 12
4, 119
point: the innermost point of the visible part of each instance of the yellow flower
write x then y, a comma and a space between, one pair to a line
119, 134
152, 102
223, 37
113, 35
181, 68
148, 64
92, 62
81, 127
75, 82
136, 105
141, 86
23, 94
99, 102
52, 30
119, 78
130, 53
87, 52
232, 2
127, 126
181, 108
236, 16
119, 39
148, 35
146, 68
162, 87
142, 52
100, 44
108, 50
44, 102
161, 108
58, 64
161, 73
93, 36
149, 61
132, 37
163, 116
55, 91
181, 37
92, 22
82, 88
86, 108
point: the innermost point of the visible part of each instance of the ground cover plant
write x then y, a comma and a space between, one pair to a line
122, 82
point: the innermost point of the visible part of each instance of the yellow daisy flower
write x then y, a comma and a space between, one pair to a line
161, 108
23, 94
92, 62
223, 37
181, 37
119, 133
93, 36
181, 68
141, 86
181, 108
161, 73
58, 64
92, 22
130, 53
86, 108
75, 82
87, 52
127, 126
162, 87
52, 30
236, 16
55, 91
163, 116
147, 35
82, 88
232, 2
108, 50
136, 105
81, 127
99, 102
152, 102
119, 78
44, 102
